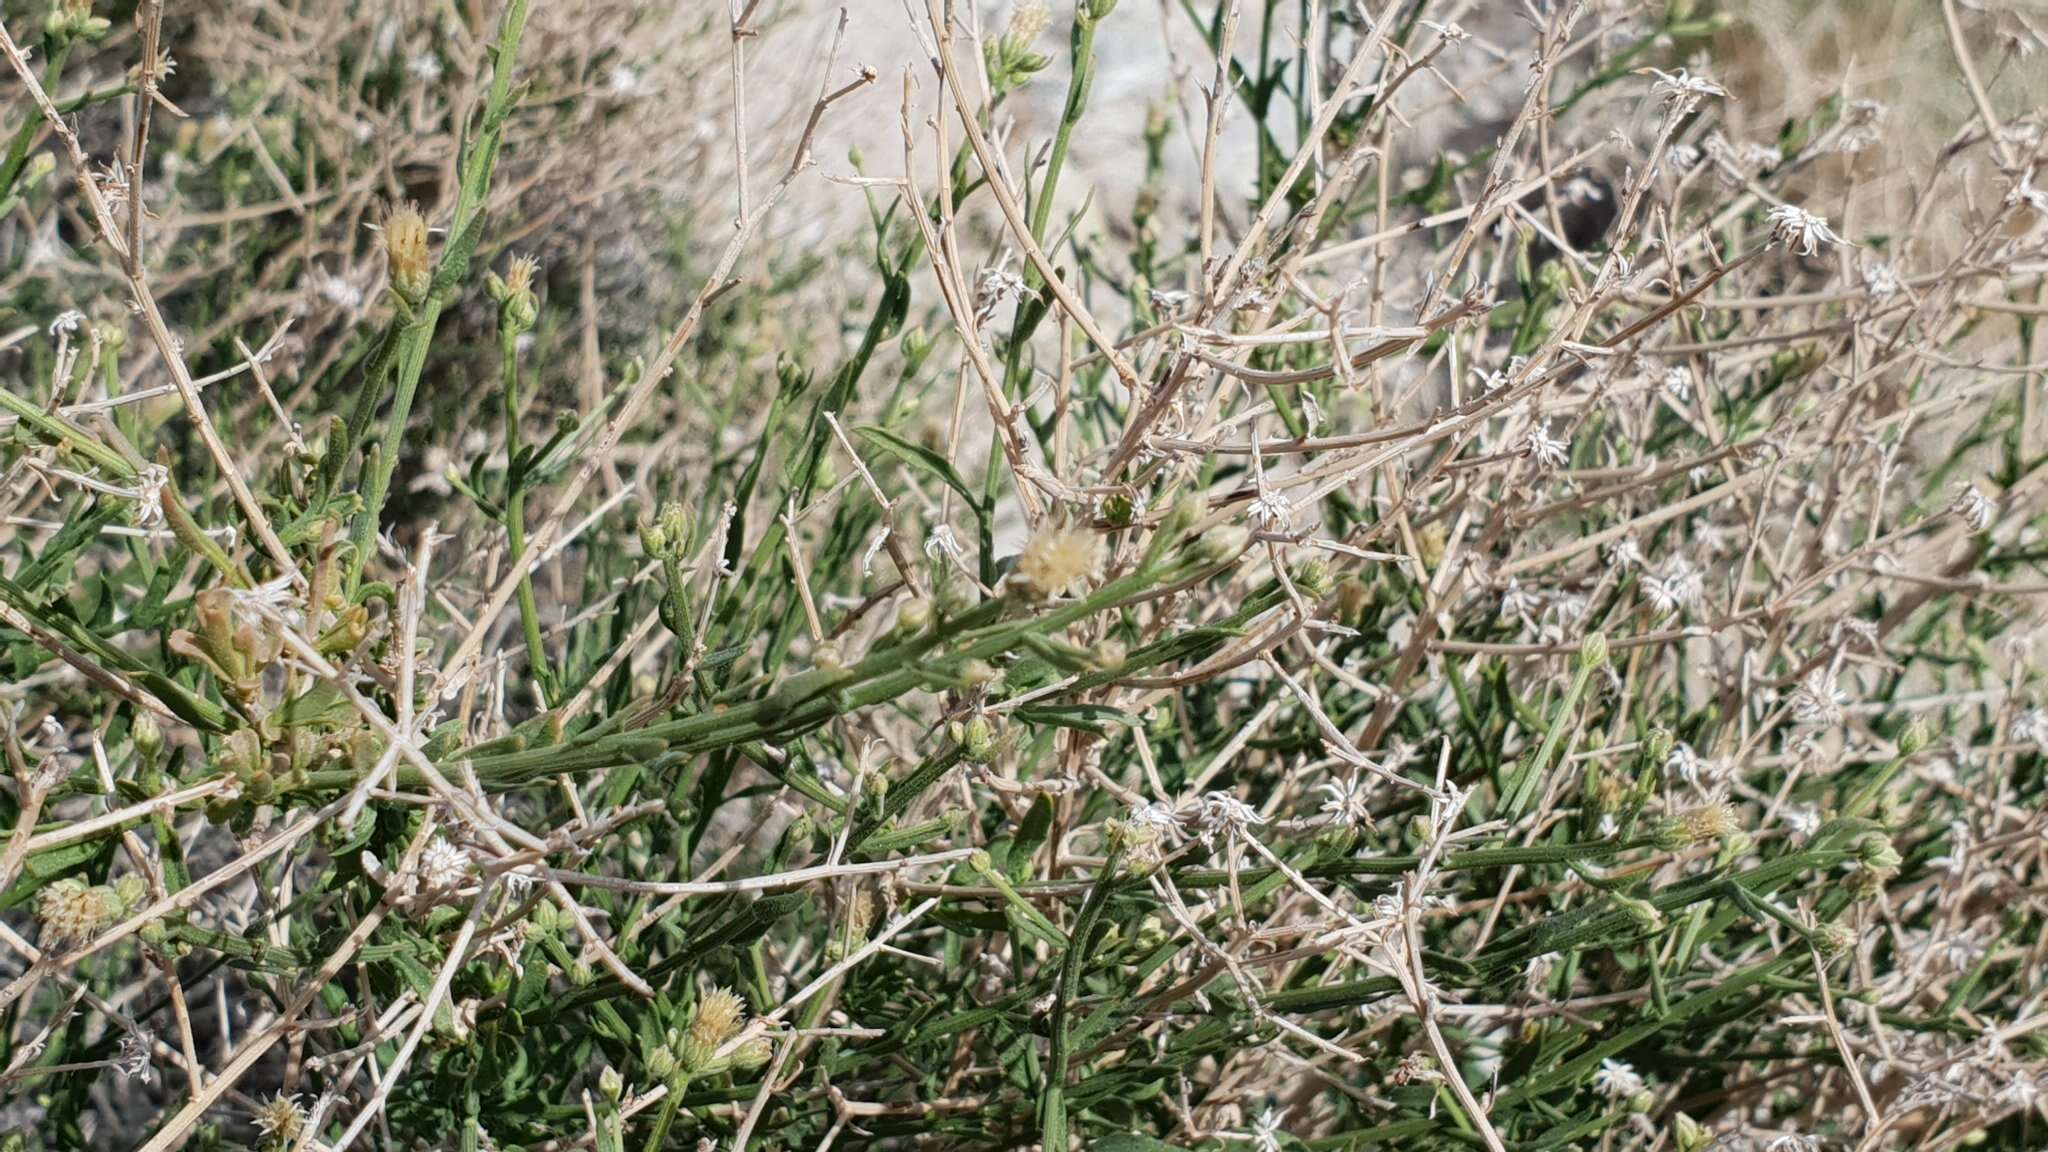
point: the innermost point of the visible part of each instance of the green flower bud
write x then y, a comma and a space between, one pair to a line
1151, 933
653, 539
1658, 747
1593, 651
130, 893
610, 1084
1313, 579
347, 631
978, 740
1834, 938
518, 308
1183, 516
914, 616
1642, 912
1108, 655
148, 736
1874, 851
694, 1054
1220, 544
39, 168
675, 524
1915, 737
753, 1055
1868, 883
1688, 1135
661, 1064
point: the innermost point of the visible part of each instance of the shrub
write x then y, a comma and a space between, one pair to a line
1311, 617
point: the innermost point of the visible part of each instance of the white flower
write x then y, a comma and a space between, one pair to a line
1677, 587
1347, 803
276, 595
134, 1057
941, 542
443, 865
1977, 509
67, 321
1800, 230
336, 290
1583, 189
518, 884
1758, 157
1682, 87
1625, 553
1803, 820
1678, 381
1445, 806
867, 558
1266, 1131
1222, 812
1880, 280
1517, 600
2025, 192
2029, 727
1501, 377
1957, 859
1818, 699
2022, 1092
622, 80
994, 286
1548, 451
1697, 771
1615, 1079
1157, 817
1272, 512
1962, 951
281, 1118
425, 66
1167, 302
149, 495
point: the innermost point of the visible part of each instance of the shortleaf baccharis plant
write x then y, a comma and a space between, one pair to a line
1220, 576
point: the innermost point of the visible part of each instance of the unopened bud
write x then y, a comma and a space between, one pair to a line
1874, 851
1914, 738
978, 740
1593, 651
405, 250
1220, 544
148, 736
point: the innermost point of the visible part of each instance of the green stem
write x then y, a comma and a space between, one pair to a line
416, 336
17, 151
515, 518
64, 432
670, 1105
1083, 49
1053, 1101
